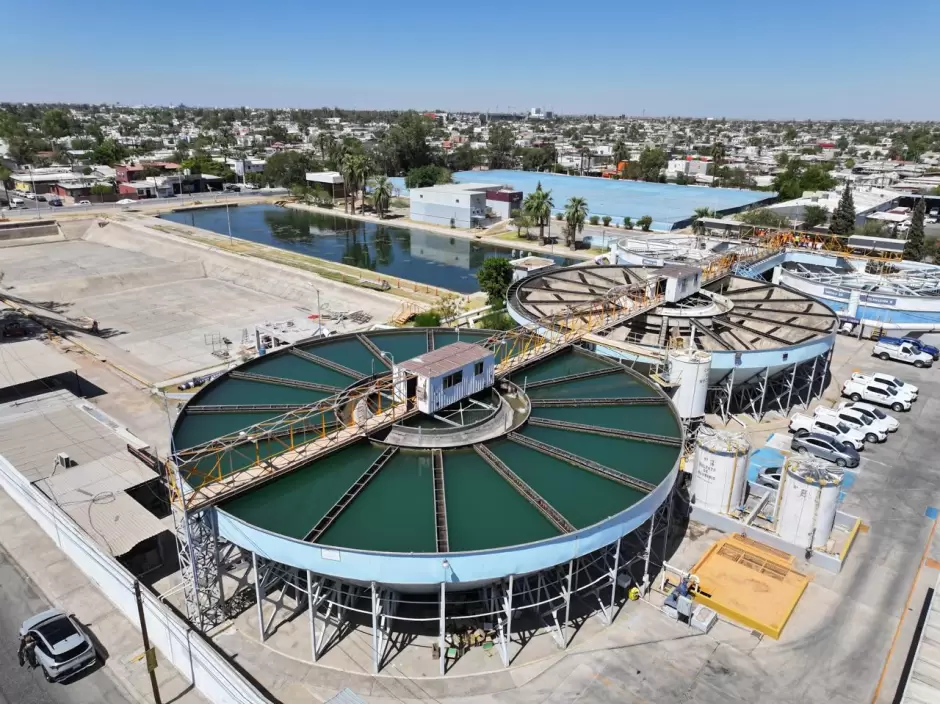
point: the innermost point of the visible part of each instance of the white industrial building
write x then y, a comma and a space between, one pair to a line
690, 166
330, 181
452, 204
867, 200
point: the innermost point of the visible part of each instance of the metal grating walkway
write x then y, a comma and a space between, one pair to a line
532, 496
440, 504
590, 466
573, 377
578, 402
324, 523
374, 349
611, 432
324, 362
280, 381
244, 408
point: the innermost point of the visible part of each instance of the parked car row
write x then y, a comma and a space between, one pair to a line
839, 434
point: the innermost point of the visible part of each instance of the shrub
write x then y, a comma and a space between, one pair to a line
496, 320
628, 223
645, 223
428, 319
606, 220
559, 217
594, 219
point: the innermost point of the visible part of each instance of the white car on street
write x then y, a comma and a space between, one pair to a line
878, 417
126, 201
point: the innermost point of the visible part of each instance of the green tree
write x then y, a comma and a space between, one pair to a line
100, 189
628, 223
576, 210
494, 277
5, 174
645, 223
594, 219
843, 219
427, 319
718, 155
814, 215
871, 228
538, 205
764, 217
914, 248
284, 169
109, 153
700, 213
521, 221
407, 142
500, 146
429, 175
55, 124
652, 162
496, 320
355, 171
606, 220
620, 151
381, 195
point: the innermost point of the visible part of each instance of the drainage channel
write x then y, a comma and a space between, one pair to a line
245, 408
532, 496
374, 349
570, 458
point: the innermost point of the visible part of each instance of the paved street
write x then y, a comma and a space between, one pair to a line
18, 600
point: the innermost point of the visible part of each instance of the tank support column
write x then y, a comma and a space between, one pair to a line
609, 610
790, 389
441, 644
812, 383
313, 604
504, 622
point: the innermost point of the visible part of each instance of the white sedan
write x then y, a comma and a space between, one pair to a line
126, 201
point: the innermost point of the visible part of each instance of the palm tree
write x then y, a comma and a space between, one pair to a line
576, 210
355, 173
718, 156
381, 194
348, 182
538, 205
620, 152
699, 214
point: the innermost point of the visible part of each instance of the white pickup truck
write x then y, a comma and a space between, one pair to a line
904, 352
854, 419
802, 425
873, 392
902, 387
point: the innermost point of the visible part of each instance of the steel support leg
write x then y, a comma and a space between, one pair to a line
375, 630
728, 399
790, 391
443, 646
313, 601
258, 596
646, 557
613, 583
812, 383
763, 394
507, 639
564, 632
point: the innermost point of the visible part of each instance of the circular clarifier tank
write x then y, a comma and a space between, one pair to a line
563, 457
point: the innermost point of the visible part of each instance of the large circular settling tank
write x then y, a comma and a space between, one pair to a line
563, 457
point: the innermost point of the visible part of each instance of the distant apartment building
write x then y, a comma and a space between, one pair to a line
125, 173
690, 166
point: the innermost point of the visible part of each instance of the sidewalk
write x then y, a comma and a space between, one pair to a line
63, 584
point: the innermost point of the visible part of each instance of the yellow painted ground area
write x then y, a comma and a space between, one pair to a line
750, 583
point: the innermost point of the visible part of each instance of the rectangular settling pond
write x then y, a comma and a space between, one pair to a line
393, 250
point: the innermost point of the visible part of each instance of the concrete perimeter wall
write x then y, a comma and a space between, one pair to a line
26, 230
190, 653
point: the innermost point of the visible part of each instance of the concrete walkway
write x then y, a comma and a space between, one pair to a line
64, 585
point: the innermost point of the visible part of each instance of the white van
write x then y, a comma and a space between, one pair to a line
17, 203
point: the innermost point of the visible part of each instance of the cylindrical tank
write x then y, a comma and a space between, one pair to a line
691, 369
809, 494
720, 470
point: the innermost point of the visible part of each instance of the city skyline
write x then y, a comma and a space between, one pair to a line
729, 59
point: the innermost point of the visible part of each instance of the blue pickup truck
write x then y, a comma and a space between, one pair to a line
915, 343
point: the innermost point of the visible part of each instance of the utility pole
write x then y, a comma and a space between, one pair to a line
150, 655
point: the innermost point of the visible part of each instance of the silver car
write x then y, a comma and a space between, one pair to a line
826, 448
62, 647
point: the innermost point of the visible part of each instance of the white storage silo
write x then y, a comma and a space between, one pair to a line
809, 494
720, 470
690, 368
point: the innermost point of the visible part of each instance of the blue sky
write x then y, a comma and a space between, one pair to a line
737, 58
